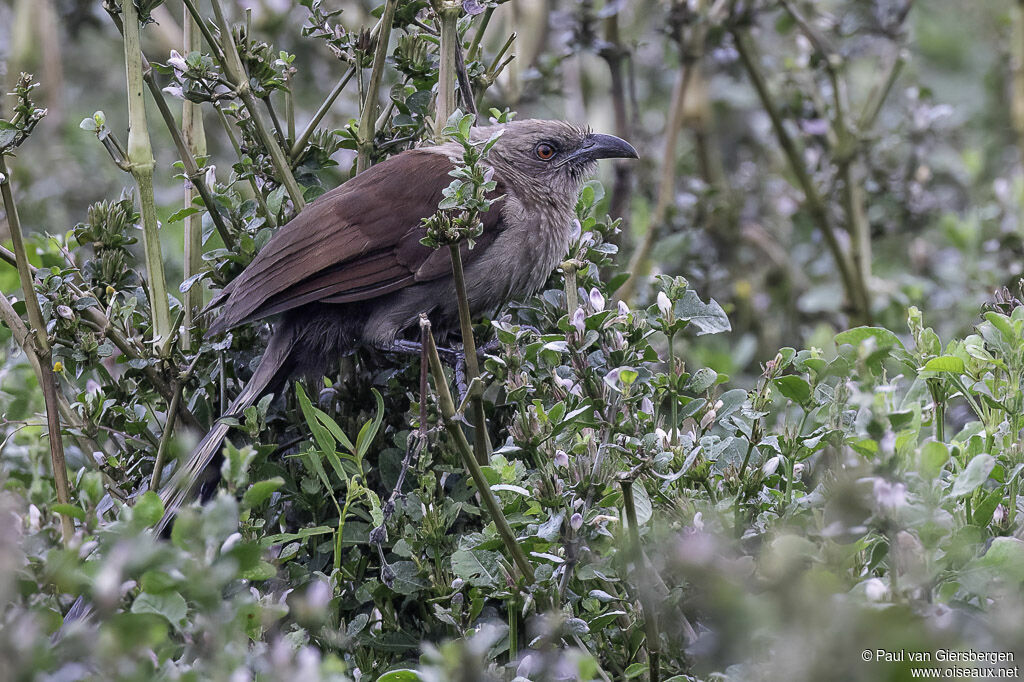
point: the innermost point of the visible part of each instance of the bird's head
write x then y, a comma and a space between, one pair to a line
552, 157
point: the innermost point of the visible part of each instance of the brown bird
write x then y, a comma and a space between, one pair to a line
350, 270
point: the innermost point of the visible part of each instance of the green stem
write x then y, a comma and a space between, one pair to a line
368, 115
300, 144
194, 138
447, 408
481, 444
478, 36
235, 72
165, 438
142, 163
653, 637
47, 380
673, 437
447, 76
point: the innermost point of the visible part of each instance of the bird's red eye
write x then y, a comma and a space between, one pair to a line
544, 151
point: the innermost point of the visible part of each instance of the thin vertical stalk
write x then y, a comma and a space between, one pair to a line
447, 408
235, 72
194, 136
653, 636
368, 115
481, 443
300, 144
639, 263
142, 163
47, 380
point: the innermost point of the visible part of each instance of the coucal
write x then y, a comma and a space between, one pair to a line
350, 270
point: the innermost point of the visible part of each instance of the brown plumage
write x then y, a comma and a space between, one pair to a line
350, 269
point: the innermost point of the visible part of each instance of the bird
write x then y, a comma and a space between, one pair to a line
349, 271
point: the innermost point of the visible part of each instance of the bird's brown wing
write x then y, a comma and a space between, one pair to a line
356, 242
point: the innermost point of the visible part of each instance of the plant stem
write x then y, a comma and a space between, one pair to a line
142, 163
639, 262
674, 436
233, 69
368, 115
300, 144
447, 408
856, 294
165, 437
478, 36
572, 300
481, 444
653, 637
448, 17
41, 350
194, 136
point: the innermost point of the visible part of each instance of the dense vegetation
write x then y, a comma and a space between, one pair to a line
763, 423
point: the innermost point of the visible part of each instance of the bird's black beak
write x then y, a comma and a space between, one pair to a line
598, 146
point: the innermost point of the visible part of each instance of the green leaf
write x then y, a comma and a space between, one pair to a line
1005, 556
148, 509
794, 387
976, 473
945, 363
708, 318
934, 456
403, 675
407, 578
478, 567
369, 430
260, 491
321, 433
857, 336
170, 605
71, 510
183, 213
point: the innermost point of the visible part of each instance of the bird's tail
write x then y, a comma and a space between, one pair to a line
274, 367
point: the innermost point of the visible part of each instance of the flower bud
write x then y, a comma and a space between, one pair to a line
579, 320
576, 521
596, 300
561, 459
664, 305
771, 466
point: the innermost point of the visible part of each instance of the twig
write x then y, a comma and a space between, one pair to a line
481, 443
233, 69
40, 348
855, 292
639, 262
653, 636
300, 144
368, 115
165, 437
452, 425
194, 136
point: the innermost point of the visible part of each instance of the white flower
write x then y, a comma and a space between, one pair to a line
175, 91
875, 589
771, 466
646, 406
698, 521
798, 469
662, 437
65, 312
318, 595
623, 308
889, 495
458, 583
664, 305
579, 320
708, 419
576, 521
561, 459
211, 176
177, 62
230, 543
596, 300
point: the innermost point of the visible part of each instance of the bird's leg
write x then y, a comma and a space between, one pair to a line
405, 347
456, 359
